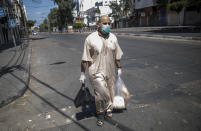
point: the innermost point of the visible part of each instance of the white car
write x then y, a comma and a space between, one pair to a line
35, 33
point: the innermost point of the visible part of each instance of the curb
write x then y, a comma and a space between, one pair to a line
160, 36
151, 36
22, 91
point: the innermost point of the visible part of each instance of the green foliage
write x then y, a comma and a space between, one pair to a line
196, 4
78, 25
162, 2
125, 8
97, 10
44, 27
30, 23
177, 6
53, 18
59, 17
65, 8
128, 6
116, 9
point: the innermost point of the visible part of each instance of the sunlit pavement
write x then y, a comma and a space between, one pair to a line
163, 77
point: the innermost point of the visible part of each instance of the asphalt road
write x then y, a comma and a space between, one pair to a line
163, 77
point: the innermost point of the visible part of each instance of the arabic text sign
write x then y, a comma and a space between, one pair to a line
2, 12
12, 23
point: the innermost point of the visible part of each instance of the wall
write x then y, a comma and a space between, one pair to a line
173, 18
192, 18
147, 17
184, 18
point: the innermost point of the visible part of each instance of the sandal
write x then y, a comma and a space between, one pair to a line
109, 113
100, 120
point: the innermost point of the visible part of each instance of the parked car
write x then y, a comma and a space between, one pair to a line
35, 33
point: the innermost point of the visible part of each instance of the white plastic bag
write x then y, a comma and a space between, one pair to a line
119, 102
121, 95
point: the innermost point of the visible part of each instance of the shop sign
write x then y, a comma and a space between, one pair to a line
12, 23
2, 12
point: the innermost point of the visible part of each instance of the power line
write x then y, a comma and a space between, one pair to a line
39, 6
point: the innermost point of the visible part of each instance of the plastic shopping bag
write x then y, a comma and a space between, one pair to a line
121, 95
83, 97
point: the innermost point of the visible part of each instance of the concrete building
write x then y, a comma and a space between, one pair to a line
14, 13
84, 5
88, 10
147, 12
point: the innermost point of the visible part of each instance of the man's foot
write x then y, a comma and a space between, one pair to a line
100, 120
109, 113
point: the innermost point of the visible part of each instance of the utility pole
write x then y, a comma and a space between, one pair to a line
24, 20
5, 33
12, 30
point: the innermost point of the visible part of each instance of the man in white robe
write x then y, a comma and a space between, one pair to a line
102, 52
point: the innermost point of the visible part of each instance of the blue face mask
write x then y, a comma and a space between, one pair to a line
105, 29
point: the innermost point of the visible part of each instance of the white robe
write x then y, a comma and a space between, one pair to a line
101, 54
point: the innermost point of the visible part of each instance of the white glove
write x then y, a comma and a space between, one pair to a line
119, 72
82, 77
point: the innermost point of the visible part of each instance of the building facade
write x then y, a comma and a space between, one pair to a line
91, 10
12, 23
149, 13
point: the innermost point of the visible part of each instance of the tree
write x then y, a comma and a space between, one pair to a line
97, 10
116, 9
194, 4
44, 27
31, 23
128, 7
65, 8
178, 5
125, 9
53, 18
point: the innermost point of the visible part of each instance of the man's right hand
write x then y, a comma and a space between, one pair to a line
82, 77
119, 72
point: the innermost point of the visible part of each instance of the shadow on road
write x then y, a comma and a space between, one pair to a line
50, 87
50, 104
5, 47
38, 38
87, 111
8, 69
58, 63
118, 125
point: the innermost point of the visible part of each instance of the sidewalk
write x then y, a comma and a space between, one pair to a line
12, 62
164, 32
